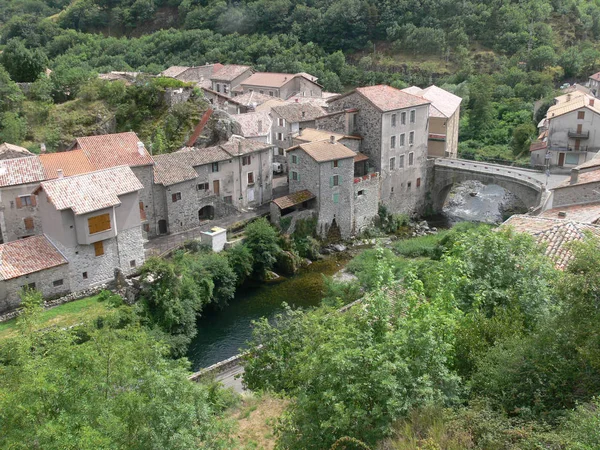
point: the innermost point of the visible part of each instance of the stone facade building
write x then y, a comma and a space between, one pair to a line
394, 127
283, 85
197, 184
583, 186
228, 79
10, 151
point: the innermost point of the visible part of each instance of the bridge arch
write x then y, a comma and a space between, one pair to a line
447, 173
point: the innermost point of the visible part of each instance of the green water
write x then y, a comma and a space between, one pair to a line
222, 334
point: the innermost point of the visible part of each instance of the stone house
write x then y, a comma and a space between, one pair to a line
344, 204
94, 220
35, 263
256, 126
594, 83
444, 119
283, 85
10, 151
197, 184
196, 74
570, 134
582, 187
228, 79
289, 120
394, 127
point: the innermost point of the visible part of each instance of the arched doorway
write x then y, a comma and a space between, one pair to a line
206, 213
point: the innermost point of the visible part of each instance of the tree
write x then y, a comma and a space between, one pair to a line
521, 138
11, 97
481, 112
12, 128
261, 240
240, 260
22, 64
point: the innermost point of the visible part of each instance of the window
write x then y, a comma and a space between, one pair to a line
99, 248
280, 152
581, 115
295, 176
261, 91
401, 162
572, 159
202, 187
225, 89
57, 283
281, 122
250, 177
403, 118
413, 116
132, 263
280, 136
99, 223
84, 275
228, 199
393, 142
215, 167
411, 158
176, 197
28, 223
271, 93
336, 198
393, 120
360, 193
335, 163
402, 139
25, 200
418, 182
218, 87
335, 180
408, 186
392, 163
411, 138
246, 160
29, 286
294, 159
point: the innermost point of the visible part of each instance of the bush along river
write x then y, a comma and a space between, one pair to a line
223, 333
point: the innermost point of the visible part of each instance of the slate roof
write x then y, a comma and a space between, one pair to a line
322, 151
174, 71
74, 162
250, 123
229, 72
29, 255
287, 201
386, 98
298, 112
179, 166
443, 103
588, 213
240, 147
268, 105
554, 233
274, 80
252, 98
21, 171
112, 150
91, 191
10, 151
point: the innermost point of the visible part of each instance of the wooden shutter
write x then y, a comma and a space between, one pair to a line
142, 211
18, 202
33, 200
28, 223
99, 248
99, 223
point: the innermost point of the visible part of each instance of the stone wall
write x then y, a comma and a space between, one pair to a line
12, 218
576, 194
44, 282
146, 176
366, 201
335, 122
174, 96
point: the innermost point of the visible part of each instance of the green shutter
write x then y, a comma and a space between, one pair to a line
298, 176
336, 198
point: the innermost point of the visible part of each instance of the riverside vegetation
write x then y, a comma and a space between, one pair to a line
465, 339
500, 57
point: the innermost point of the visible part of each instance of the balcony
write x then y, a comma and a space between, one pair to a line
579, 134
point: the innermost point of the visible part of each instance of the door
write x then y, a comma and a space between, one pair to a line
579, 129
561, 159
216, 189
577, 144
162, 227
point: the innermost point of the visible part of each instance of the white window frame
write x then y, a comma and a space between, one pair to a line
413, 116
403, 118
392, 141
402, 140
281, 122
294, 175
335, 180
248, 174
393, 120
392, 163
411, 138
401, 162
411, 159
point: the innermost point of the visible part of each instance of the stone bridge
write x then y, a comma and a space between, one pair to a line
527, 185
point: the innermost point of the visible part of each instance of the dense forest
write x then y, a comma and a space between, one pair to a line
500, 56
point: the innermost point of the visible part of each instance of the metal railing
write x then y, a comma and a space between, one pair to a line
579, 134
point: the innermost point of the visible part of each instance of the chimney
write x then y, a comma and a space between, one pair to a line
332, 139
296, 100
60, 173
562, 214
574, 176
141, 149
568, 97
42, 148
591, 102
260, 126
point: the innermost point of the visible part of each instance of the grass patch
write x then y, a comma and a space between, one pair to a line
422, 246
62, 316
256, 418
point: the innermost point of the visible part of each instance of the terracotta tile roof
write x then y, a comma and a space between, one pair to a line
27, 256
10, 151
242, 147
583, 178
254, 124
174, 71
274, 80
174, 168
91, 191
312, 134
252, 98
564, 98
443, 103
229, 72
538, 145
74, 162
112, 150
287, 201
21, 171
578, 102
594, 162
322, 151
316, 101
588, 213
298, 112
386, 98
268, 105
360, 157
555, 234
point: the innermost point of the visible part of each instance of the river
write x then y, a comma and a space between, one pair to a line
223, 333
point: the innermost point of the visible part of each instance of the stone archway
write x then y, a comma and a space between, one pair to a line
206, 213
